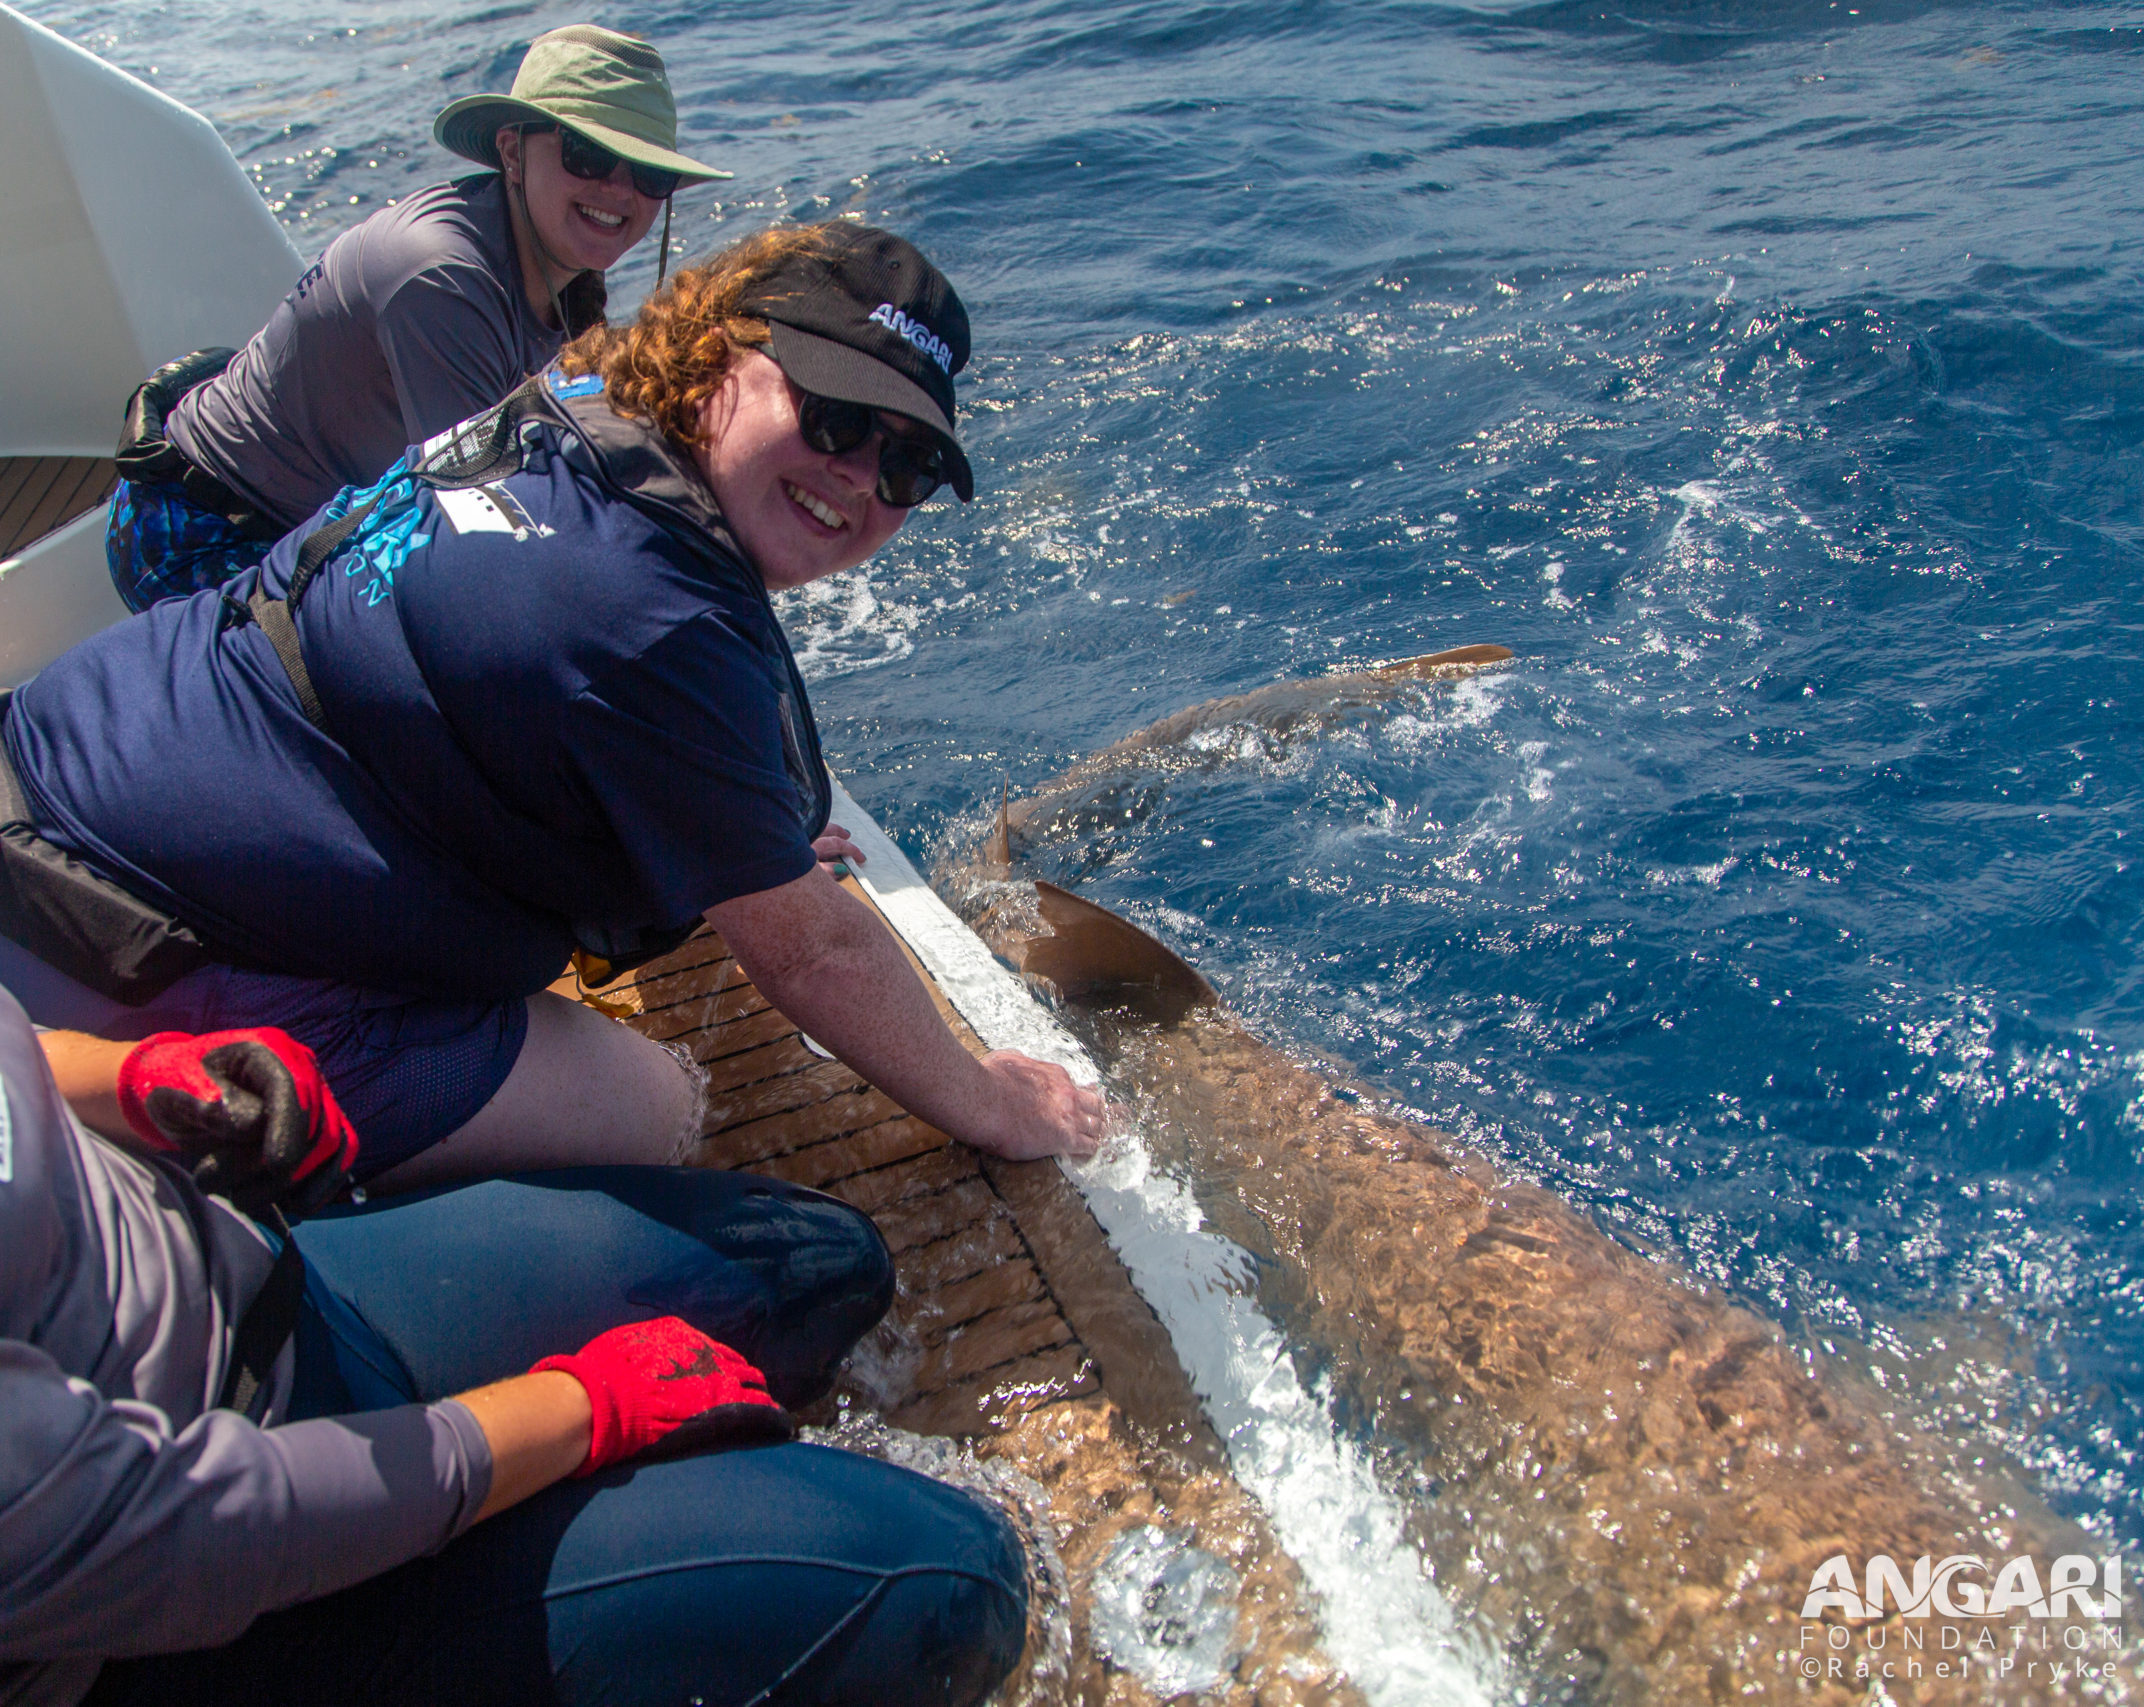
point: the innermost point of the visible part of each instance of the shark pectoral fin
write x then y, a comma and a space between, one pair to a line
1459, 658
1092, 954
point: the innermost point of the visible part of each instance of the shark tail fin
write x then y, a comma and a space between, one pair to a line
1458, 660
1093, 954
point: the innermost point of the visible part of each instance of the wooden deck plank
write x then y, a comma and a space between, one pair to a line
35, 481
702, 1011
824, 1166
64, 499
94, 485
28, 479
926, 1268
14, 470
804, 1085
836, 1116
991, 1342
41, 493
691, 977
977, 1293
767, 1062
714, 1045
954, 1306
790, 1083
941, 1215
984, 1402
914, 1176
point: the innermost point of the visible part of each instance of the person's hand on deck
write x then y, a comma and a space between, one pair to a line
835, 844
1042, 1112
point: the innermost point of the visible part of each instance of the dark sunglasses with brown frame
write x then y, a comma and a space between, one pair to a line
594, 163
910, 467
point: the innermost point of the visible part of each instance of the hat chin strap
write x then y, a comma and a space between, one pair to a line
548, 259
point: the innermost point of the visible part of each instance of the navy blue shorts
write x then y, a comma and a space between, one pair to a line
160, 545
407, 1070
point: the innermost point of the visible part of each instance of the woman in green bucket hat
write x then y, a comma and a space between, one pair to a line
409, 322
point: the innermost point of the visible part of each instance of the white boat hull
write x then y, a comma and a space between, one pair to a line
128, 235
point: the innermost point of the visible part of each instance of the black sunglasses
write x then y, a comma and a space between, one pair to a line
592, 161
909, 469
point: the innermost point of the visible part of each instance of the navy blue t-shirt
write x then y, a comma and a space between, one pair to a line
555, 720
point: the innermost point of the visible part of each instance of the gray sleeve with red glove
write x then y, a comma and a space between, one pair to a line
134, 1518
663, 1389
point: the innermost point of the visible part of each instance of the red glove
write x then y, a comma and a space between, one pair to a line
248, 1110
664, 1383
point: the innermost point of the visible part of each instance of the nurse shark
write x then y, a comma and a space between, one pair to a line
1637, 1484
1209, 736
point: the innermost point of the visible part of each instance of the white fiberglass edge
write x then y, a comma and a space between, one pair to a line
1382, 1617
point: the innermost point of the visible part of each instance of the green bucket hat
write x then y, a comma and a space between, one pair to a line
609, 87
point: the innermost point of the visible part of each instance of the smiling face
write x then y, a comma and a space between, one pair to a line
799, 513
585, 224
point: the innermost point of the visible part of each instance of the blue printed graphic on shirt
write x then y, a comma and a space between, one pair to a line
586, 386
386, 537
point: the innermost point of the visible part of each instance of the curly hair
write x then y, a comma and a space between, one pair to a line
676, 353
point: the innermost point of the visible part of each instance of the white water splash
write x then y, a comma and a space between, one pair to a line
838, 626
1382, 1617
1165, 1610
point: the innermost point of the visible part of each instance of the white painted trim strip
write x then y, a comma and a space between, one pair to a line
1382, 1617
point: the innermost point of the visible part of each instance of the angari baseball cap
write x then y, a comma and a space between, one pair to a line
866, 319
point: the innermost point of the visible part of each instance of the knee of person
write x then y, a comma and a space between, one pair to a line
855, 1258
951, 1623
997, 1552
950, 1641
982, 1612
837, 1282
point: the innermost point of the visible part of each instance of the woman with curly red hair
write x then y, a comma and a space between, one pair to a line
525, 695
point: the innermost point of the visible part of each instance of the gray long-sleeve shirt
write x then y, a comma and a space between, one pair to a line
134, 1518
407, 323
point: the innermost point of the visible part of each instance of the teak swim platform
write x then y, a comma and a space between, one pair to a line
1016, 1329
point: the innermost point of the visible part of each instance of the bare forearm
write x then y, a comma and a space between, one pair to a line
86, 1069
538, 1429
855, 992
824, 959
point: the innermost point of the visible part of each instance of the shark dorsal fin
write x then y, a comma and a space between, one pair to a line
1093, 954
1438, 663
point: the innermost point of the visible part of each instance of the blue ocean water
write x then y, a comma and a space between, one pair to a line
1768, 376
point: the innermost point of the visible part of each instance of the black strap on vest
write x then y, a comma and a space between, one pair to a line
479, 450
274, 617
277, 617
266, 1327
